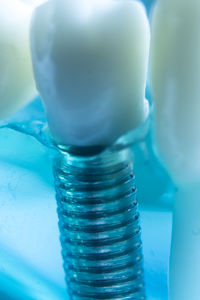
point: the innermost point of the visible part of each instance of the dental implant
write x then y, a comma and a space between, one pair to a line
90, 62
99, 225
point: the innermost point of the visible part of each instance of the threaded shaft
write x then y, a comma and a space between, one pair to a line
99, 226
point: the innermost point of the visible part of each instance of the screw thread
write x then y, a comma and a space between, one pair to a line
99, 226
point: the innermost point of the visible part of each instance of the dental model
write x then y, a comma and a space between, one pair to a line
175, 79
90, 62
17, 85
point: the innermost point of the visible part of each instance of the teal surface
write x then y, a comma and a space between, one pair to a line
30, 259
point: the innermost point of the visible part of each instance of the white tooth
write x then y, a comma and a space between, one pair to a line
175, 73
90, 60
175, 80
16, 77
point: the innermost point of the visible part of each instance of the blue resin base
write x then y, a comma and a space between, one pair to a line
31, 263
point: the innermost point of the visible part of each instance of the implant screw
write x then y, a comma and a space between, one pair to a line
99, 225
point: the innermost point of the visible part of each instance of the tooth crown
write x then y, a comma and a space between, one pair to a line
16, 76
175, 79
90, 62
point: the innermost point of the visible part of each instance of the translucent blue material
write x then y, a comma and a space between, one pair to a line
148, 4
98, 217
30, 264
